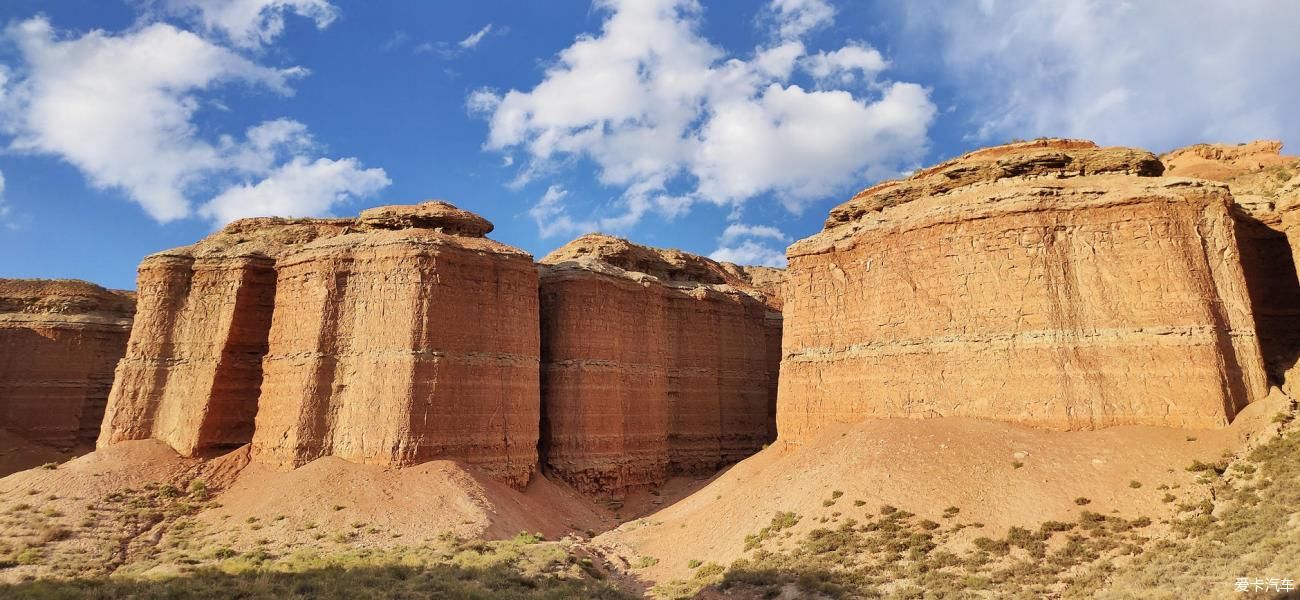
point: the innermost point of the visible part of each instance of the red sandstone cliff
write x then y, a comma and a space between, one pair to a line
59, 342
410, 338
1052, 283
1265, 187
655, 362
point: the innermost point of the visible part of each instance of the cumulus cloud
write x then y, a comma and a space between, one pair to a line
847, 63
795, 18
552, 216
251, 23
6, 212
1156, 74
751, 245
297, 188
121, 109
476, 37
750, 252
736, 231
652, 103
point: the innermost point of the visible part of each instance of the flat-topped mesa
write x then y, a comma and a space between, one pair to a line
1083, 296
396, 346
1053, 158
654, 363
59, 342
1265, 186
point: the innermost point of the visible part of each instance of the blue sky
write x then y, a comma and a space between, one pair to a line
723, 128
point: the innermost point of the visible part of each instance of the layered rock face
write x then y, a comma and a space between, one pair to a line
410, 338
193, 367
1051, 283
1265, 186
59, 342
654, 363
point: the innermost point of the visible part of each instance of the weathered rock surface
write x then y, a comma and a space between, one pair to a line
1051, 283
59, 342
1265, 186
409, 338
655, 362
193, 368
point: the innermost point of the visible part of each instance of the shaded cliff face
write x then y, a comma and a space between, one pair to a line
1051, 283
59, 342
193, 368
654, 363
410, 339
1265, 187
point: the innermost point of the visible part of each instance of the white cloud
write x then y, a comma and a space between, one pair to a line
252, 23
795, 18
841, 64
750, 252
476, 37
1155, 74
736, 231
6, 212
652, 103
552, 216
298, 188
744, 244
121, 109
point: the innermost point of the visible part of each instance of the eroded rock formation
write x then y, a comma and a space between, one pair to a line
393, 338
1265, 187
193, 368
1052, 283
411, 337
59, 342
655, 362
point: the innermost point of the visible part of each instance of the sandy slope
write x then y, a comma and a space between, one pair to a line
415, 503
925, 466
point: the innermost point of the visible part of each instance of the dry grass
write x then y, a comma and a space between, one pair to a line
1249, 530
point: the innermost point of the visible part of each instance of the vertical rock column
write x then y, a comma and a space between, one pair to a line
655, 363
604, 375
193, 368
412, 339
193, 365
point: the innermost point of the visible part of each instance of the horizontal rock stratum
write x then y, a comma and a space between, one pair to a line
410, 339
59, 342
1052, 283
655, 363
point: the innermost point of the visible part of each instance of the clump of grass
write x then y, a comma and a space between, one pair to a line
1135, 484
1081, 501
644, 562
525, 538
780, 521
198, 490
